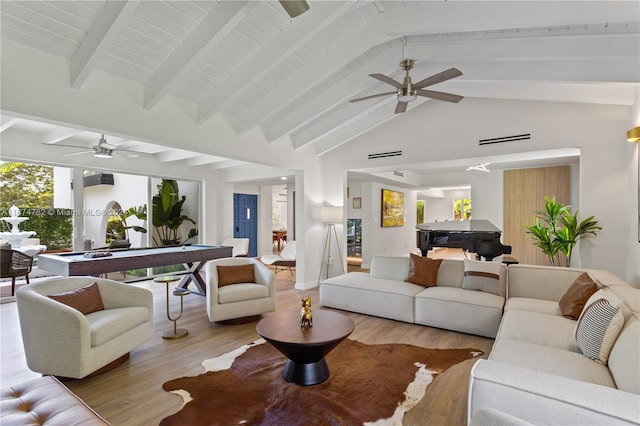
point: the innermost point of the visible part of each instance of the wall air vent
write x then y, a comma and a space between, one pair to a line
384, 154
400, 174
514, 138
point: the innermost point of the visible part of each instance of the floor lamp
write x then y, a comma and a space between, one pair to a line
330, 215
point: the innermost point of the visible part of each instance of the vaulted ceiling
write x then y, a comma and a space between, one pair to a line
292, 78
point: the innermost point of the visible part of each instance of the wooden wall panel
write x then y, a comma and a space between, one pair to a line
524, 192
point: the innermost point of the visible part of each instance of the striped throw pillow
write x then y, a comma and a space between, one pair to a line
597, 329
481, 275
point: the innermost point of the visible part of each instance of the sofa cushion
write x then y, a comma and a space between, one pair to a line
572, 302
423, 270
598, 328
235, 274
482, 276
45, 401
85, 299
241, 292
452, 308
110, 323
389, 267
359, 292
532, 305
551, 360
542, 329
623, 359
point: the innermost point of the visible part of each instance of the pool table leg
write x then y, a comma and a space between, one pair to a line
194, 275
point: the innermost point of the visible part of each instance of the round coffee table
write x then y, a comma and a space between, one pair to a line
305, 348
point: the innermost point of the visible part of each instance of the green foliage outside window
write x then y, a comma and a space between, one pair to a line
462, 208
30, 188
420, 212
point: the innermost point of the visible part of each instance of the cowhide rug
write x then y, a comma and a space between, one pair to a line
369, 384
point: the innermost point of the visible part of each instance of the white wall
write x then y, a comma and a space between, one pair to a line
355, 191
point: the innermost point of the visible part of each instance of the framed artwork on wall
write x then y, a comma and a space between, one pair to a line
392, 208
357, 202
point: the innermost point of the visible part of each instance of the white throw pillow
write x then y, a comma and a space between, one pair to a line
482, 276
598, 328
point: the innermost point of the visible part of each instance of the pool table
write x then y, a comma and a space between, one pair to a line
192, 256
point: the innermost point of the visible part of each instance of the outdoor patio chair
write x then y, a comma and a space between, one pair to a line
14, 264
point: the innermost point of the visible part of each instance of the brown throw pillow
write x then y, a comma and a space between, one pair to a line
423, 270
84, 299
235, 274
572, 303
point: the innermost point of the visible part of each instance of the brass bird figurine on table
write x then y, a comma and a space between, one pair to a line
306, 317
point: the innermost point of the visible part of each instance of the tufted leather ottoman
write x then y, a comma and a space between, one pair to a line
45, 401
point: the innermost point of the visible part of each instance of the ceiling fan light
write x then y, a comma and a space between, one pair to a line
406, 95
102, 152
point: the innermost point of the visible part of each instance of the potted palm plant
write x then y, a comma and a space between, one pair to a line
556, 231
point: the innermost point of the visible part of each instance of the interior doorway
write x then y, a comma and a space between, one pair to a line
245, 220
354, 241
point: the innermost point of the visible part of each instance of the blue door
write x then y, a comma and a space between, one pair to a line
245, 220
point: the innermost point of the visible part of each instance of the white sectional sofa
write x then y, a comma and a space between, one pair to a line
536, 371
383, 292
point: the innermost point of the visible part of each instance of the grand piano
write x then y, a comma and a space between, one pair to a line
476, 236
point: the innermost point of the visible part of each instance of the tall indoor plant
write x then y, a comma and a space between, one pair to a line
556, 231
167, 214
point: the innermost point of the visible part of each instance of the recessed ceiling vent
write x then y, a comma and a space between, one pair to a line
514, 138
385, 154
400, 174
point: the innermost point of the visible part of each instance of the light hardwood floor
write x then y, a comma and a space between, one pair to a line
132, 394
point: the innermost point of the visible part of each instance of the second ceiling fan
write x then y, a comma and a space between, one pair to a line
408, 91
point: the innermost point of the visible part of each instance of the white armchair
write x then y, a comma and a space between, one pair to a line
61, 341
242, 300
240, 246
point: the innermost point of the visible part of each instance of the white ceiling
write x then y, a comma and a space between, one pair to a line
259, 69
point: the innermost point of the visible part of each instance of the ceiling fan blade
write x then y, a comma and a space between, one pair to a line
372, 96
134, 153
77, 153
438, 78
387, 80
441, 96
401, 107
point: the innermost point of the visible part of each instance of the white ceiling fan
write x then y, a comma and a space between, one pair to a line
105, 150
